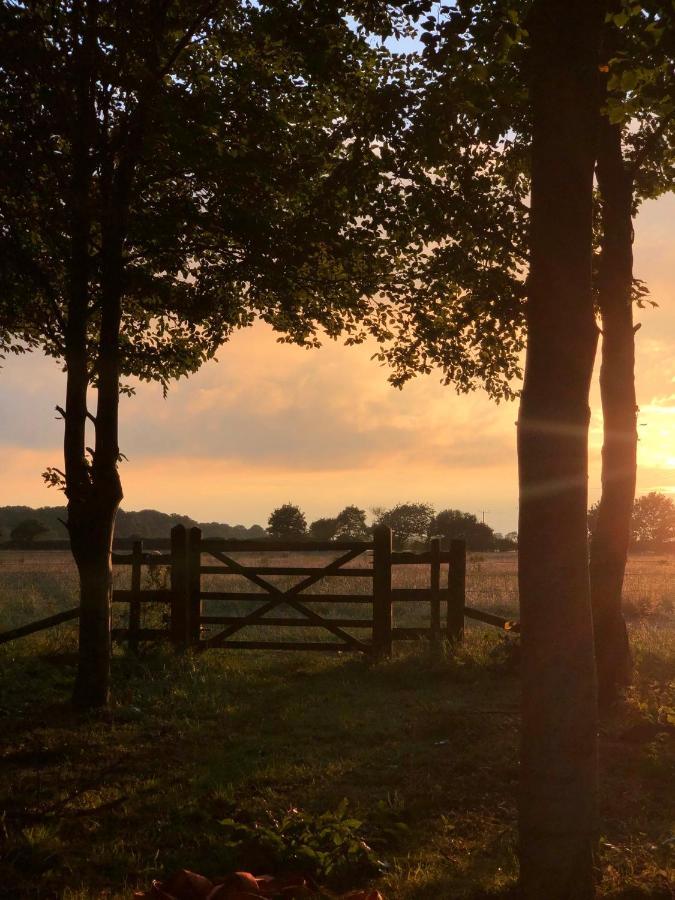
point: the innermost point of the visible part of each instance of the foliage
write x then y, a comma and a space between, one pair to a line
287, 521
351, 524
453, 523
653, 518
28, 530
458, 301
348, 525
329, 846
255, 172
323, 529
407, 521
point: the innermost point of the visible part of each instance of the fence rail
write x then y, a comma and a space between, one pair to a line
186, 594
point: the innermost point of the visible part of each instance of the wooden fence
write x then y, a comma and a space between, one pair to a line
190, 557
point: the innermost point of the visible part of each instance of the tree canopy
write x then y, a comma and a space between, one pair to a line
287, 521
453, 523
407, 521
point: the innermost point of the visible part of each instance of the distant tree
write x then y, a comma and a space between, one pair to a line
653, 518
28, 530
323, 529
453, 523
351, 524
287, 521
407, 520
511, 536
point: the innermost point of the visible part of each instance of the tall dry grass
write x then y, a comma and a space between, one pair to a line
34, 584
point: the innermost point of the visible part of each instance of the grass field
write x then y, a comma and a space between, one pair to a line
423, 750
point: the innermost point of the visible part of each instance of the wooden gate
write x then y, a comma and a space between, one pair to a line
199, 557
192, 557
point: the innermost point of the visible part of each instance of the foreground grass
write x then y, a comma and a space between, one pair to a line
424, 751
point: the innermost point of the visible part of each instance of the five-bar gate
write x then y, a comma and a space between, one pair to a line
193, 559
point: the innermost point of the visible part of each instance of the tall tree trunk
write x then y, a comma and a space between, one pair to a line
92, 525
86, 526
558, 819
95, 532
611, 536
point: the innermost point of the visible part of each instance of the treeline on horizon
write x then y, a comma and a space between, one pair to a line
144, 523
412, 524
653, 525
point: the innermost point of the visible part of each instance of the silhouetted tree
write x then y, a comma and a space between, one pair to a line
287, 521
323, 529
558, 807
407, 520
177, 170
653, 519
351, 524
462, 303
635, 161
452, 523
28, 530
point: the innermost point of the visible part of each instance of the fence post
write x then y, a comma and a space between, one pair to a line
179, 636
382, 603
435, 613
456, 590
135, 602
194, 584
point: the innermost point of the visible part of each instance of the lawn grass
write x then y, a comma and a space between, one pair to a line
424, 751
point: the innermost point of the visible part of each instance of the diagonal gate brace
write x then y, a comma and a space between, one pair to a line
289, 597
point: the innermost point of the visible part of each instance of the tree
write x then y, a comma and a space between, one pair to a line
635, 161
27, 531
351, 524
323, 529
452, 523
407, 520
653, 520
558, 809
461, 308
287, 521
176, 171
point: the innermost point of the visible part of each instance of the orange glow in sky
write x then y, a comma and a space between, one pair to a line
271, 423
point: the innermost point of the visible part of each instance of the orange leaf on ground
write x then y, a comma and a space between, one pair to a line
236, 886
187, 885
363, 895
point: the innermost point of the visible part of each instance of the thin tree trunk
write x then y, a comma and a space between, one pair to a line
558, 819
611, 536
86, 527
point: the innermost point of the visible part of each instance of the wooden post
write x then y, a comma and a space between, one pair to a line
179, 636
456, 590
194, 585
135, 602
435, 612
382, 602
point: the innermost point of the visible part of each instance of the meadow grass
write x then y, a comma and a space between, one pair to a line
424, 750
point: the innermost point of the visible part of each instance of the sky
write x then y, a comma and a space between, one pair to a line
271, 423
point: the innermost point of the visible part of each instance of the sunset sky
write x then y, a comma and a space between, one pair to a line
271, 423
